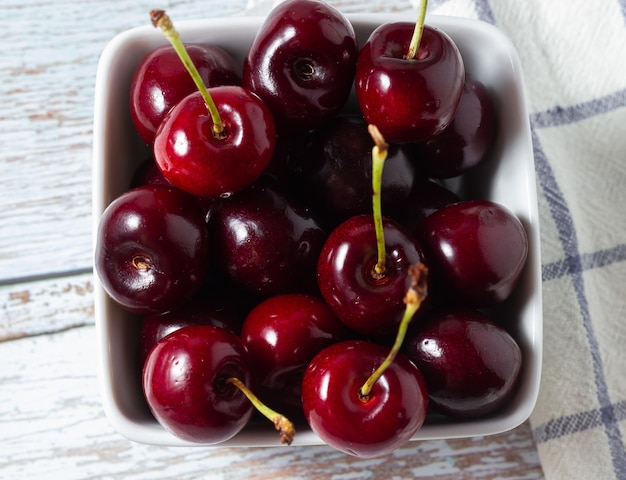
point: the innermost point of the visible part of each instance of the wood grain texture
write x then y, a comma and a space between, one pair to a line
45, 306
51, 420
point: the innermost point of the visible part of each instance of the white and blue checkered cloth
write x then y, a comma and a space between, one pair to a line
573, 53
574, 58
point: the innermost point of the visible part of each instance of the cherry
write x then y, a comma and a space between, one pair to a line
409, 93
192, 158
476, 249
363, 399
212, 143
332, 169
152, 249
185, 384
471, 365
467, 140
197, 380
282, 335
160, 81
367, 302
265, 240
370, 425
301, 63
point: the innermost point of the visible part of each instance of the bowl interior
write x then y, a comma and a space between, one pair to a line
508, 177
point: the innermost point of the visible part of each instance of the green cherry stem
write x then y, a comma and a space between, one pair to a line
379, 155
417, 32
284, 426
161, 20
413, 299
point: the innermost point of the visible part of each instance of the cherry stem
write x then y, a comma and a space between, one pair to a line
161, 20
379, 155
417, 32
413, 299
284, 426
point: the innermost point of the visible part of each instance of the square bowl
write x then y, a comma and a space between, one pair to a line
508, 177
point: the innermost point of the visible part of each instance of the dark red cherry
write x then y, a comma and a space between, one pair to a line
409, 100
282, 335
332, 169
367, 302
184, 382
467, 140
161, 81
476, 250
471, 365
192, 157
152, 249
301, 63
363, 426
264, 240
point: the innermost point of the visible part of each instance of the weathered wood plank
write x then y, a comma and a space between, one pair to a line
45, 306
53, 427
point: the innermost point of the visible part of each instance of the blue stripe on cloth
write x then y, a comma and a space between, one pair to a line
562, 115
578, 422
567, 234
588, 261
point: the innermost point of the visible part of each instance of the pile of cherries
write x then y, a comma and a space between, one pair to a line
289, 251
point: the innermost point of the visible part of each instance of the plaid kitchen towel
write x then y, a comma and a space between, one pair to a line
574, 58
573, 54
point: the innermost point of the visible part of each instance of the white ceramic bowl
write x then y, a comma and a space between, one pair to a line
508, 178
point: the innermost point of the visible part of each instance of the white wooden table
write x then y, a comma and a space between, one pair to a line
51, 420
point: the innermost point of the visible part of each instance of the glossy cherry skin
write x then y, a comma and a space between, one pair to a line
409, 100
368, 305
191, 157
152, 249
161, 81
184, 384
224, 307
471, 365
363, 427
264, 240
467, 140
477, 250
332, 169
282, 335
301, 63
